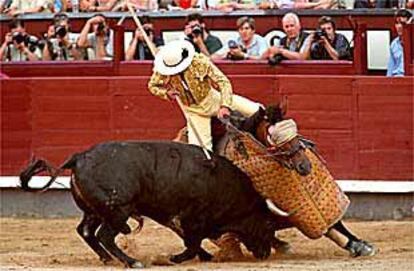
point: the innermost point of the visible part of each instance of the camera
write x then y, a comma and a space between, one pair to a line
319, 33
18, 37
276, 59
232, 44
29, 41
197, 30
60, 31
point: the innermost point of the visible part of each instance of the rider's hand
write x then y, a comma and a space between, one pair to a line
172, 94
223, 113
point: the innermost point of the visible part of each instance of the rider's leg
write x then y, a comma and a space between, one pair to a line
202, 126
245, 106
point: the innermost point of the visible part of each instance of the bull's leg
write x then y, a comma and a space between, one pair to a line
86, 229
193, 248
345, 239
106, 235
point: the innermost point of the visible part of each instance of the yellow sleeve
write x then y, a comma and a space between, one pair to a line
157, 85
223, 83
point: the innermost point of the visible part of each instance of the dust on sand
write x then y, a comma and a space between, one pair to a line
53, 244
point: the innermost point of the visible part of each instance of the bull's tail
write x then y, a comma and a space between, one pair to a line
37, 166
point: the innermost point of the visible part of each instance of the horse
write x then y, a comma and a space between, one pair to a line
291, 155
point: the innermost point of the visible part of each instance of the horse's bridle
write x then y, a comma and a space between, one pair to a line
283, 157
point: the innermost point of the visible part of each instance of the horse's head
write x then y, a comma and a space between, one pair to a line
284, 144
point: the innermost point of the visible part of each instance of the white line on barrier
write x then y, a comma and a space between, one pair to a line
355, 186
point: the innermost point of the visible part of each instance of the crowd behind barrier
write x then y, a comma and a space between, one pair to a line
16, 7
96, 41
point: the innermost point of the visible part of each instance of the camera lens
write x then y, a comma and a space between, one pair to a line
232, 44
18, 37
60, 31
197, 30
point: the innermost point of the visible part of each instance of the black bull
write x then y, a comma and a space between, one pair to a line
171, 183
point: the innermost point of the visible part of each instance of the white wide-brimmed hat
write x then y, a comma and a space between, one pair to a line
174, 57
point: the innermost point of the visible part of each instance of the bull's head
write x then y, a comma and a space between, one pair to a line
260, 233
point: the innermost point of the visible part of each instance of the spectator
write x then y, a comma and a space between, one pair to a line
327, 44
247, 46
117, 5
60, 42
298, 4
100, 40
292, 46
386, 3
396, 61
207, 4
29, 6
185, 4
18, 45
197, 33
138, 48
231, 5
4, 5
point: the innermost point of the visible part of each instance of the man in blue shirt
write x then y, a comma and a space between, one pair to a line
248, 45
396, 61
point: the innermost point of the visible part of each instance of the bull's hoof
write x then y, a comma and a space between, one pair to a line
182, 257
204, 256
106, 260
360, 248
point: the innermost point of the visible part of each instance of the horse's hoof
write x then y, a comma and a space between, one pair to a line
361, 248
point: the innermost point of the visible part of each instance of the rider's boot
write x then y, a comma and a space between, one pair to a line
356, 248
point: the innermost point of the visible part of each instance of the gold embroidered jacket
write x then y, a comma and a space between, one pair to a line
201, 76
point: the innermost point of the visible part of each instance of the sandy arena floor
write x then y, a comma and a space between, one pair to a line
53, 244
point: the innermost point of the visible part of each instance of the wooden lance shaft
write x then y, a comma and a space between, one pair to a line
177, 98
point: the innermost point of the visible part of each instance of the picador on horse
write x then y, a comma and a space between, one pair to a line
317, 210
261, 177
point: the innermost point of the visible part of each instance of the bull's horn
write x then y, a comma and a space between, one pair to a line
272, 207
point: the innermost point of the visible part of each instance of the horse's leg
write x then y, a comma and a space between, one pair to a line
346, 240
86, 229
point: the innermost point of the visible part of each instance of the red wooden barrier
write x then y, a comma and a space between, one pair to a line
363, 125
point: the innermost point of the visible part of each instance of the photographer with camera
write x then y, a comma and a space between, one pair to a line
293, 45
248, 45
18, 45
197, 33
100, 40
138, 48
327, 44
60, 42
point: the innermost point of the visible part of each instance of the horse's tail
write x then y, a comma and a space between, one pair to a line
37, 166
